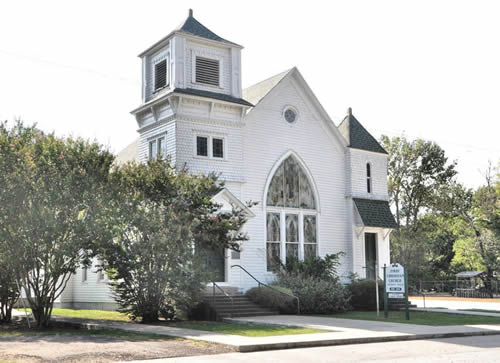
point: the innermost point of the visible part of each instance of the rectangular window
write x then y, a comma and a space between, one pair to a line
157, 148
153, 151
292, 236
207, 71
201, 146
310, 239
161, 147
273, 241
84, 274
160, 75
217, 148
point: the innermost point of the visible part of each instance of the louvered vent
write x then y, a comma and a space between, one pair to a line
207, 71
160, 74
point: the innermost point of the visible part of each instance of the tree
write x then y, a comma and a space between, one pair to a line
50, 195
9, 292
163, 218
417, 173
421, 183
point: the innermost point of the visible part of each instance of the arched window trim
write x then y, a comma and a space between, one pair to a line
369, 186
301, 214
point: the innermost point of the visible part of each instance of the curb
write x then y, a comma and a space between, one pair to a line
361, 340
247, 348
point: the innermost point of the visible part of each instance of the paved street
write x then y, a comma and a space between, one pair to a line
468, 349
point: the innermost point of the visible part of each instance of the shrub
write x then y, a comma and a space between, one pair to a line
315, 267
317, 296
363, 294
273, 299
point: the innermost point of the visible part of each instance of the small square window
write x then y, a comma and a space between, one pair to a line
201, 146
217, 148
160, 74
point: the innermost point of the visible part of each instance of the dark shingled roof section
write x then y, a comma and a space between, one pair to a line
208, 94
359, 138
375, 213
194, 27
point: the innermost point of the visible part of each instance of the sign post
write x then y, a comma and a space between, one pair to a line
407, 309
386, 303
396, 286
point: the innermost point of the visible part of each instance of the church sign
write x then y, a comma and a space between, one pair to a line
395, 287
395, 281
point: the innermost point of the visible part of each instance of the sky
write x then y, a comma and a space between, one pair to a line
428, 69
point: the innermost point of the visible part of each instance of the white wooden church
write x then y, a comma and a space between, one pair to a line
321, 188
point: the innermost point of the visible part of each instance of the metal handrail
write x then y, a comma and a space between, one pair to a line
270, 287
226, 294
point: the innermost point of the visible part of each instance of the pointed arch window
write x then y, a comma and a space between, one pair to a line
291, 215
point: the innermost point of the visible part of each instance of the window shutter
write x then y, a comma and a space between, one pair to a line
160, 74
207, 71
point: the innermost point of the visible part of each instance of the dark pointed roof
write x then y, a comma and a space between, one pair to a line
375, 213
194, 27
356, 135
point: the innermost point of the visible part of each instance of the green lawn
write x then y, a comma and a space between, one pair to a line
247, 330
418, 317
58, 331
88, 314
482, 310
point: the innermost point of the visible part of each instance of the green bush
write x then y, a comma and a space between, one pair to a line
315, 267
273, 299
317, 296
363, 294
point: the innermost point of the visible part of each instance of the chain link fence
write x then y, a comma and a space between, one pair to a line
452, 287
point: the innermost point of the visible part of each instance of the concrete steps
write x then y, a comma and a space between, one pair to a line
241, 306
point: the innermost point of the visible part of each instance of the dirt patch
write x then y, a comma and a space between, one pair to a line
96, 348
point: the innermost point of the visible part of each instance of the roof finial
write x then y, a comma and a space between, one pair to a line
349, 111
191, 12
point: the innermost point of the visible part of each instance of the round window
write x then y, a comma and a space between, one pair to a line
290, 115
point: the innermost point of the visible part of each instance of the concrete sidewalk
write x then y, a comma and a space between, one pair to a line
339, 332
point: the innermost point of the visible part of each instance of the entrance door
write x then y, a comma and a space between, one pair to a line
215, 263
370, 255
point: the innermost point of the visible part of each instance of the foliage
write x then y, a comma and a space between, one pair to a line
363, 295
316, 283
417, 171
50, 193
163, 219
315, 267
316, 296
426, 200
9, 292
274, 299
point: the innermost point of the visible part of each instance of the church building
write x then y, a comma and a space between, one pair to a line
321, 188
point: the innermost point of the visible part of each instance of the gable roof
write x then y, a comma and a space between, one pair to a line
190, 26
356, 135
375, 213
130, 153
259, 90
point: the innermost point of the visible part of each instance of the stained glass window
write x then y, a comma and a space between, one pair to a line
290, 192
310, 231
273, 241
290, 187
